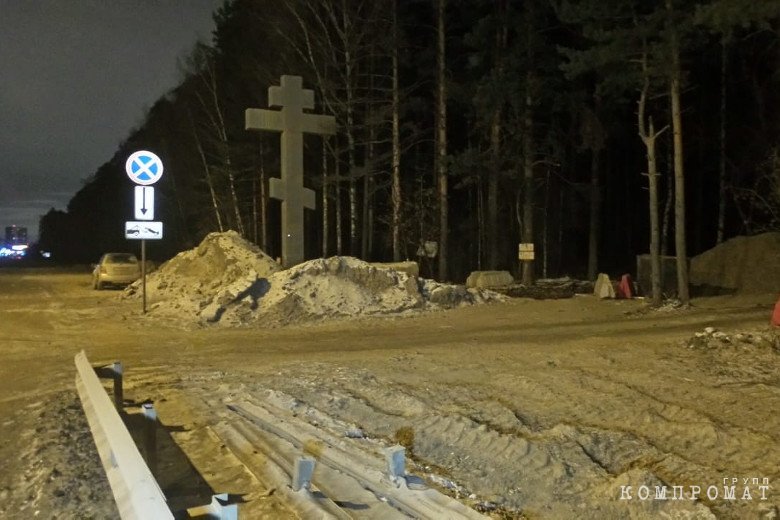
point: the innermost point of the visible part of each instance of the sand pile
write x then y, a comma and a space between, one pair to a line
746, 265
228, 281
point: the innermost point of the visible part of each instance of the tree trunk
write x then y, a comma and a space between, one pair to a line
234, 196
441, 141
254, 210
722, 169
350, 131
667, 213
480, 225
325, 201
561, 199
648, 136
213, 109
594, 227
679, 174
652, 180
495, 143
352, 193
263, 202
337, 187
396, 161
364, 219
594, 218
545, 221
492, 191
225, 145
527, 276
368, 198
368, 162
207, 172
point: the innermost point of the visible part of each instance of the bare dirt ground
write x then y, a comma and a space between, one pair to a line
525, 409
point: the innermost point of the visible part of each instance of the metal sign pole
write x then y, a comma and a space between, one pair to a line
144, 168
143, 272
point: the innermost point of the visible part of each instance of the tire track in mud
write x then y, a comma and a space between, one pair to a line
521, 450
535, 471
662, 423
676, 444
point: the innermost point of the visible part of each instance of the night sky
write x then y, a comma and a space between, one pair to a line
75, 77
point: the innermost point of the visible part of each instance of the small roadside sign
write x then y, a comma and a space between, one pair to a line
525, 251
144, 203
144, 167
143, 230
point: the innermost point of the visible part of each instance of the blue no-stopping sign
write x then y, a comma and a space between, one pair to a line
144, 167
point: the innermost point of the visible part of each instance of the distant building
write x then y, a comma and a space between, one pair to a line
15, 236
15, 244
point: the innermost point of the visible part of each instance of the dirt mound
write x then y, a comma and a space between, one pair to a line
747, 265
228, 281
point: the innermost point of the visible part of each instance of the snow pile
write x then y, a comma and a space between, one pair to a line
212, 273
742, 265
231, 282
711, 338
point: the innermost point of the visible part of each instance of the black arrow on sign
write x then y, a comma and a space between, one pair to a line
143, 200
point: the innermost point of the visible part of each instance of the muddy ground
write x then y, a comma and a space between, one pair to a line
525, 409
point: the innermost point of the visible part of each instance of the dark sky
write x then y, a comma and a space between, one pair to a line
75, 77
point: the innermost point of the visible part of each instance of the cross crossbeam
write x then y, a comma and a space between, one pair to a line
292, 122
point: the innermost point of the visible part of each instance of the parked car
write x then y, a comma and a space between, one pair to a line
116, 269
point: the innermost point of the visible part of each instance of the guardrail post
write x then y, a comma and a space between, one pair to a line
114, 372
223, 511
137, 493
150, 436
218, 509
396, 461
302, 472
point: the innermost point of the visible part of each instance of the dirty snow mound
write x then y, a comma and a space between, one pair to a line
229, 281
711, 338
747, 265
220, 267
339, 287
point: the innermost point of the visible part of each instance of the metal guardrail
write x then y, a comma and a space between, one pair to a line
136, 491
137, 494
389, 484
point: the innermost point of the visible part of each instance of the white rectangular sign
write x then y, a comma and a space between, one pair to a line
143, 230
144, 203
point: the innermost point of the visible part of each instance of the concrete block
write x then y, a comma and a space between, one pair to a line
489, 279
604, 288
